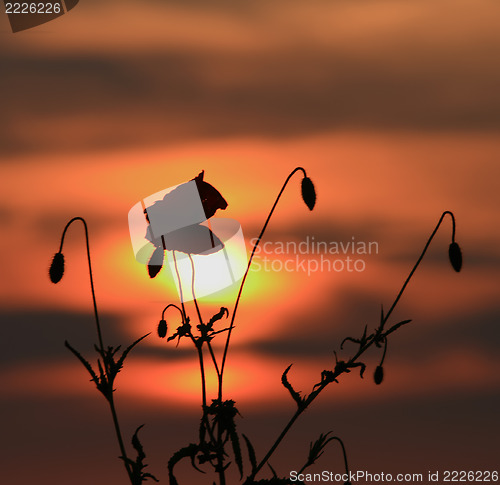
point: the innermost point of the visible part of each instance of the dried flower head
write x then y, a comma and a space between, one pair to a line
56, 269
455, 255
162, 328
378, 375
308, 193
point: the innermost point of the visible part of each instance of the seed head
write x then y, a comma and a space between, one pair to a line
56, 269
455, 255
162, 328
308, 192
378, 375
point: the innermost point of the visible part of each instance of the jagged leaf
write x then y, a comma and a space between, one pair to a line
251, 453
235, 442
127, 350
189, 451
295, 395
396, 326
83, 361
223, 311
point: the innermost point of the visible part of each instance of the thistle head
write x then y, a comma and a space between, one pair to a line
56, 270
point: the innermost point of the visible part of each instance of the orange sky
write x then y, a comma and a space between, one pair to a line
393, 109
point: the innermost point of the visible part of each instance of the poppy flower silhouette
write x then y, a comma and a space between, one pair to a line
177, 223
26, 15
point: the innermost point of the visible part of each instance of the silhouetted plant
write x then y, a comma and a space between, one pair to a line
109, 365
217, 426
218, 437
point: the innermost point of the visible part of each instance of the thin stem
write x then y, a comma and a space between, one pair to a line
192, 290
119, 437
209, 345
344, 452
385, 351
202, 371
99, 335
180, 283
175, 306
421, 257
96, 314
199, 346
224, 356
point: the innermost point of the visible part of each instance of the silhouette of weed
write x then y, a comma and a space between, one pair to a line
219, 443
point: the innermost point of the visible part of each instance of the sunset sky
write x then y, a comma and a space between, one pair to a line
393, 108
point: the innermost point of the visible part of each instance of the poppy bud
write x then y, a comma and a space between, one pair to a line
378, 376
155, 263
308, 192
56, 270
455, 255
162, 329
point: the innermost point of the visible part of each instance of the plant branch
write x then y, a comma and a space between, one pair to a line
375, 338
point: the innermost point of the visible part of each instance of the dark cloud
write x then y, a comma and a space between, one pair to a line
176, 95
319, 331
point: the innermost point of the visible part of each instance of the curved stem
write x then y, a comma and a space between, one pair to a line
99, 334
405, 284
385, 351
101, 344
344, 452
175, 306
224, 355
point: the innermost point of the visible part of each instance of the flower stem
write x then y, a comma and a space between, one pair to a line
231, 326
101, 344
431, 237
99, 334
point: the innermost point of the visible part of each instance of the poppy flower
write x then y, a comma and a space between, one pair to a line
170, 212
211, 198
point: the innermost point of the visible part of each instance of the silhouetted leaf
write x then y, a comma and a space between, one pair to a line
455, 255
295, 395
223, 311
316, 449
308, 193
83, 361
251, 453
189, 451
127, 350
56, 270
235, 442
137, 467
136, 443
396, 326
